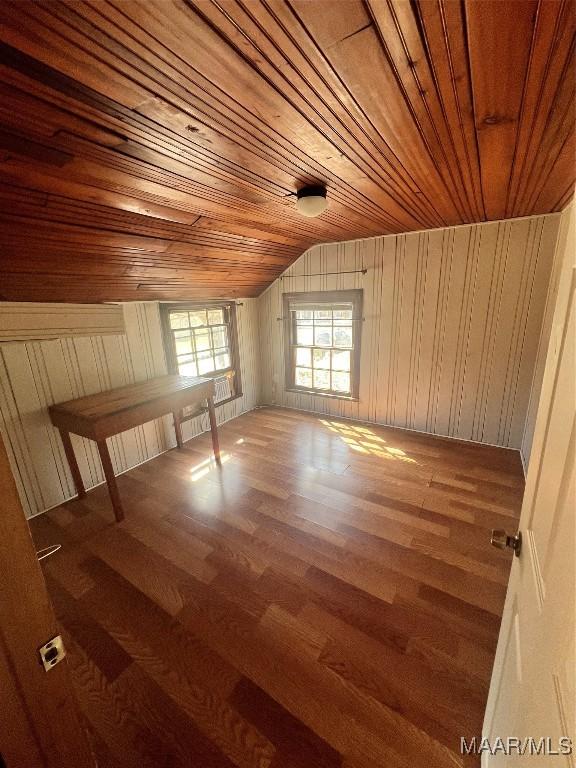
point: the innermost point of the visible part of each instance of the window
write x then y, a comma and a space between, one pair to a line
201, 340
323, 342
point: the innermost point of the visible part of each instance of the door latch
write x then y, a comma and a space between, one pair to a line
52, 652
501, 540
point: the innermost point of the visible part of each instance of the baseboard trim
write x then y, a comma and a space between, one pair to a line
438, 435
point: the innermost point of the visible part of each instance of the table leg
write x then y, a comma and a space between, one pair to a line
110, 480
178, 428
214, 429
74, 468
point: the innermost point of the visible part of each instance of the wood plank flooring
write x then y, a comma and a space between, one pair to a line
327, 598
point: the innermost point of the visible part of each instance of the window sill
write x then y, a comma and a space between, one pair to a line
204, 409
317, 393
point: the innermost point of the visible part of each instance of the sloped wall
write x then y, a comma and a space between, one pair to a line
451, 329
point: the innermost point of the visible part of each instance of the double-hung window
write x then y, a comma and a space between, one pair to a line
322, 342
201, 340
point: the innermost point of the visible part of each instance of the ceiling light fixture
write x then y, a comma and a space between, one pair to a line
311, 201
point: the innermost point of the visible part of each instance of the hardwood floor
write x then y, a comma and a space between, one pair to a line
327, 598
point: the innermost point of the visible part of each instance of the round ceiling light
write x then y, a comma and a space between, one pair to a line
311, 201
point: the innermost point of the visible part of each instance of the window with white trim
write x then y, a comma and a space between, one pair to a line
322, 338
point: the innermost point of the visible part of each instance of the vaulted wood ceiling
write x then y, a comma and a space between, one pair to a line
149, 148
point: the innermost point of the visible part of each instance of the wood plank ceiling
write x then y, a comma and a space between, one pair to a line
150, 148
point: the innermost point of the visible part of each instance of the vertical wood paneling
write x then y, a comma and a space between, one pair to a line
35, 374
451, 328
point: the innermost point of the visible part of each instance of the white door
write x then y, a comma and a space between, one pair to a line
532, 693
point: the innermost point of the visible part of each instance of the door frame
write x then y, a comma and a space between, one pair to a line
559, 331
40, 725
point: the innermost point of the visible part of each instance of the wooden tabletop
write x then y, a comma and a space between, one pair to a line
106, 413
112, 401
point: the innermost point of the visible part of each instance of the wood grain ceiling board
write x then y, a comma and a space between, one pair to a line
151, 149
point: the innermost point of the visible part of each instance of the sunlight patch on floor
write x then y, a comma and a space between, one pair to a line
208, 465
363, 440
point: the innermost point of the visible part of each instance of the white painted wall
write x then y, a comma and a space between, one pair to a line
23, 321
35, 374
451, 331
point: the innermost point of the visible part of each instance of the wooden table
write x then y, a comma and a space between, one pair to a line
116, 410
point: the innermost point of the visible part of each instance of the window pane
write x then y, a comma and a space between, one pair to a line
343, 314
304, 336
205, 363
303, 357
304, 314
178, 319
202, 338
215, 316
323, 337
343, 337
341, 381
321, 379
323, 314
341, 360
220, 336
197, 318
321, 358
222, 360
303, 377
183, 341
187, 366
304, 322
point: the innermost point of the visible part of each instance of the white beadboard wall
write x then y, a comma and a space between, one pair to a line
22, 321
35, 374
566, 242
451, 330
